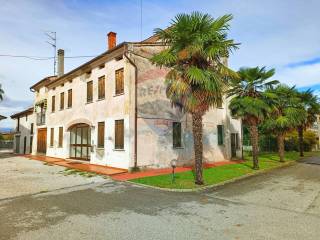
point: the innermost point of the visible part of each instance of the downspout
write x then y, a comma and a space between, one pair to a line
135, 108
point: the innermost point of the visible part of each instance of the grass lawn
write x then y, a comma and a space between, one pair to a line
185, 180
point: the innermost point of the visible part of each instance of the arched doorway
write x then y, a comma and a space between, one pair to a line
80, 141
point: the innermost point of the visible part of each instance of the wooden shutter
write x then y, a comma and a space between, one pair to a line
69, 98
101, 135
89, 91
101, 87
53, 103
60, 136
220, 134
61, 100
119, 134
31, 130
51, 136
119, 81
176, 134
31, 140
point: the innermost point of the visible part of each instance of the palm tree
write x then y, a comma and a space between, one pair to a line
196, 45
286, 114
249, 101
312, 107
1, 93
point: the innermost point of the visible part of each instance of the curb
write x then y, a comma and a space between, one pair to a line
214, 186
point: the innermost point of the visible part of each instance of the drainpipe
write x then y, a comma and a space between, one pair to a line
135, 107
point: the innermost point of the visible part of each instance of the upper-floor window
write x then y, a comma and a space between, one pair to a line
119, 81
101, 135
69, 98
176, 134
119, 134
31, 128
53, 103
101, 87
89, 91
220, 134
18, 125
26, 117
62, 101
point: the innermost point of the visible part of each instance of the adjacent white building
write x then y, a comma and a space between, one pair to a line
113, 111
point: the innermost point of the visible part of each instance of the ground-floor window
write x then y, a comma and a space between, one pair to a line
220, 134
101, 135
80, 142
119, 134
51, 137
31, 139
60, 136
176, 134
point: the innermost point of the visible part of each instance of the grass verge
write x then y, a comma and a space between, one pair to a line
185, 180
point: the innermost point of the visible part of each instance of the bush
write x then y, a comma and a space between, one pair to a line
309, 141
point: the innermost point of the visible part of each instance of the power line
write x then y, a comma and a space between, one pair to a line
38, 58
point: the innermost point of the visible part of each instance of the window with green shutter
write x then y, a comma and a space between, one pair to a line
220, 134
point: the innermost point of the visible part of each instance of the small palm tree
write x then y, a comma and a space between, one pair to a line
310, 103
196, 44
286, 114
249, 101
1, 93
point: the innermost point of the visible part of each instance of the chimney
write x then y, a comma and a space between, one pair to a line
112, 40
60, 62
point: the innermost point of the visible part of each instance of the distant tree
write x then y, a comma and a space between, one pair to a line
312, 107
197, 44
286, 114
249, 101
1, 93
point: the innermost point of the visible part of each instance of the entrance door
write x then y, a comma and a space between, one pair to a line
80, 142
24, 145
42, 141
17, 144
234, 143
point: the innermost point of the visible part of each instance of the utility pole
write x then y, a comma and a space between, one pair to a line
53, 42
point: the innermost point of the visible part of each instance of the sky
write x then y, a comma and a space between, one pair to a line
277, 34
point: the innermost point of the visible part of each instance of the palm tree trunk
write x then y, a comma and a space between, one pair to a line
300, 135
281, 146
254, 136
198, 147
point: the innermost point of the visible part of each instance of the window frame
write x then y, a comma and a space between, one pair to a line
90, 83
176, 142
70, 96
119, 86
51, 137
100, 135
220, 134
102, 89
60, 139
61, 100
119, 136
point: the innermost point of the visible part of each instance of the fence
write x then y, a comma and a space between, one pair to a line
6, 144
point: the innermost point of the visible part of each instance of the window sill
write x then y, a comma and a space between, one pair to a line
61, 110
89, 102
100, 148
118, 149
178, 147
119, 94
101, 99
68, 107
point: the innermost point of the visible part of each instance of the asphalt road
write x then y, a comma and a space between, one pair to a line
283, 204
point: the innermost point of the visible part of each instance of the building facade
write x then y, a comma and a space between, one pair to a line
113, 111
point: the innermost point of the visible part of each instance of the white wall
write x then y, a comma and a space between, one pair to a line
24, 131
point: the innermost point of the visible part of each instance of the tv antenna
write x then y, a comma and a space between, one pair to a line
53, 42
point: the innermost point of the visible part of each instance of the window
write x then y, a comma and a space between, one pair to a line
89, 91
237, 141
31, 128
62, 101
119, 82
220, 134
51, 137
69, 98
53, 104
101, 135
31, 140
101, 88
26, 117
176, 134
60, 136
18, 125
119, 134
101, 66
